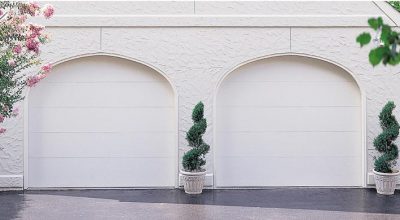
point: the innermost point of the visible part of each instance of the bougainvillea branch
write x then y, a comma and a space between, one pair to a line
20, 44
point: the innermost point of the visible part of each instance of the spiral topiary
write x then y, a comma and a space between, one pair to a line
194, 159
384, 142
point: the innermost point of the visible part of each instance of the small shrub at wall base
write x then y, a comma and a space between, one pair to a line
194, 159
385, 174
384, 142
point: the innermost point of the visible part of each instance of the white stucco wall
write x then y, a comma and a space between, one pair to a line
196, 43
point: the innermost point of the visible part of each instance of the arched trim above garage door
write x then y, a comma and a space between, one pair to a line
320, 59
323, 59
58, 62
111, 55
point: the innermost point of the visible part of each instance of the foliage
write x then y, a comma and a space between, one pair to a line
386, 40
194, 159
384, 142
19, 50
395, 5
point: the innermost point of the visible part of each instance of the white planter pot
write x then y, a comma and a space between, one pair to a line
386, 182
193, 182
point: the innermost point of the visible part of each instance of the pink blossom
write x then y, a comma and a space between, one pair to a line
22, 18
11, 14
33, 8
35, 31
36, 28
31, 81
11, 62
2, 130
48, 11
15, 112
1, 118
32, 45
17, 49
19, 29
30, 8
46, 68
1, 12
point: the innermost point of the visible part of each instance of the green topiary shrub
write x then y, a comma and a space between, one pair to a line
194, 159
384, 142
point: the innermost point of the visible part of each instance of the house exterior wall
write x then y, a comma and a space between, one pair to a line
196, 43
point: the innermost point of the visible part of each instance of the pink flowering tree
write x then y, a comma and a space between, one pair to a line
20, 44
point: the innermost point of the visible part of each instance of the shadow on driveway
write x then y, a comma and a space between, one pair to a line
342, 199
11, 203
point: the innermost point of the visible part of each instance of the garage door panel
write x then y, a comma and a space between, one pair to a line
101, 172
104, 94
288, 171
139, 144
288, 119
101, 119
299, 143
289, 94
102, 122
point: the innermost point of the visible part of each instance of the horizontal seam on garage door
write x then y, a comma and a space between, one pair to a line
290, 106
305, 82
296, 156
280, 131
102, 132
105, 157
112, 107
106, 82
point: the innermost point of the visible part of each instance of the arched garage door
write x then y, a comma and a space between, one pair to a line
288, 121
101, 122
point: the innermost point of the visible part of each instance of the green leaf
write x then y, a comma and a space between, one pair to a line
376, 55
363, 39
395, 5
395, 60
386, 31
373, 23
380, 21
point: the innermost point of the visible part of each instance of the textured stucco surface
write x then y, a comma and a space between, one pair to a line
195, 60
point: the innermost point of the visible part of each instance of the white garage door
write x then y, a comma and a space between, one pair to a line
288, 121
101, 122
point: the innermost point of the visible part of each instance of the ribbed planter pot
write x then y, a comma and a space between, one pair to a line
193, 182
386, 182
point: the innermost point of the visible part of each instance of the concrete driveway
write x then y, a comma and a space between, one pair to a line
289, 203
